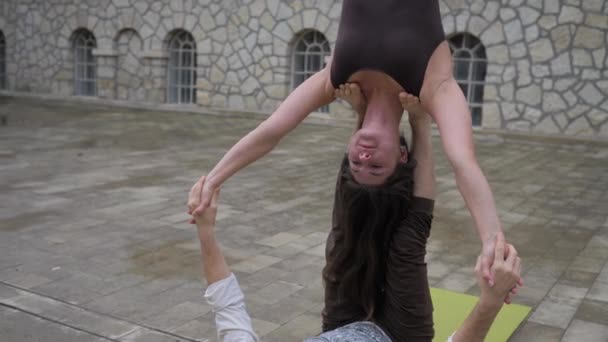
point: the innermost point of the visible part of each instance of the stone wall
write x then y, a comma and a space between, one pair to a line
547, 62
546, 58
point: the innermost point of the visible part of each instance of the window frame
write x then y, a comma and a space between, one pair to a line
3, 78
85, 64
181, 78
310, 39
466, 42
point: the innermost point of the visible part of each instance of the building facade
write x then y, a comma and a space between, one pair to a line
536, 66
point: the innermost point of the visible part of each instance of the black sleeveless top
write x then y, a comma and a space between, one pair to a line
396, 37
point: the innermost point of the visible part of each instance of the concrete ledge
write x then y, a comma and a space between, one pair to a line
155, 54
314, 118
105, 53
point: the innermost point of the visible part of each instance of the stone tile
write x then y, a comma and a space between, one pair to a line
603, 276
599, 291
593, 311
438, 269
201, 327
262, 328
586, 331
278, 239
458, 282
18, 326
74, 293
302, 276
317, 251
147, 335
300, 261
261, 278
560, 305
287, 250
567, 292
255, 263
550, 268
554, 313
179, 315
313, 239
596, 248
138, 262
276, 291
531, 331
70, 315
136, 300
29, 280
578, 278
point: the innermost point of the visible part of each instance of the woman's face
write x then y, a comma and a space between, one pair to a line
373, 156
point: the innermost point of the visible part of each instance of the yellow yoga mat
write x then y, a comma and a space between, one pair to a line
452, 308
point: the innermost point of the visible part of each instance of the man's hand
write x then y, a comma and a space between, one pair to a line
505, 271
200, 197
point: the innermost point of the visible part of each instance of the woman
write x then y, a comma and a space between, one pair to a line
386, 47
375, 252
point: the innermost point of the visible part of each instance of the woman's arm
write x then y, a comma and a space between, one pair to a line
315, 92
449, 108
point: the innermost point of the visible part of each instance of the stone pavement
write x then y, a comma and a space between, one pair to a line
94, 244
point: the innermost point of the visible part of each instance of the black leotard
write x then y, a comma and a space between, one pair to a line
396, 37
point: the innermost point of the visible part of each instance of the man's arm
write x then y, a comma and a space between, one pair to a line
223, 292
506, 272
315, 92
214, 266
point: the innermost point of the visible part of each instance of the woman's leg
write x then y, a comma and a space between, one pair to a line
446, 103
338, 311
406, 313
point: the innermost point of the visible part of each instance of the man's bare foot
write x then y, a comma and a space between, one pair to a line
351, 93
410, 103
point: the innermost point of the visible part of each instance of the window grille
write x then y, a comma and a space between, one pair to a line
3, 83
470, 65
182, 69
310, 50
85, 64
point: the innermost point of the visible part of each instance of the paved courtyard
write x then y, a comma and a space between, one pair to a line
94, 244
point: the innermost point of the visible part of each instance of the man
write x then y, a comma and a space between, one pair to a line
234, 324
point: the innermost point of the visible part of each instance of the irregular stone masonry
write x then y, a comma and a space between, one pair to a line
546, 58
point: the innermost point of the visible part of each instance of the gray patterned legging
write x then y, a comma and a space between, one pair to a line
354, 332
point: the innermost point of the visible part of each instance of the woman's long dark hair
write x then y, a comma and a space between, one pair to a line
364, 220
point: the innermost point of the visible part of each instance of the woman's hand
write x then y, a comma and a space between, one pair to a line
200, 197
206, 220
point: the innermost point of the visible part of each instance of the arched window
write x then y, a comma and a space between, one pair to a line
470, 64
181, 87
309, 52
85, 64
2, 61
